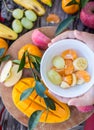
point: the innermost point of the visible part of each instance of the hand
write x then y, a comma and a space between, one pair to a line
87, 38
84, 100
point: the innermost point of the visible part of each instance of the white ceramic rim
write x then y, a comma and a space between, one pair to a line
70, 92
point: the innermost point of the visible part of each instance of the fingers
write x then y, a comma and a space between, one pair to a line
84, 100
85, 37
67, 34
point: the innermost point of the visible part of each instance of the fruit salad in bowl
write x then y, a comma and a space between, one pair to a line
67, 68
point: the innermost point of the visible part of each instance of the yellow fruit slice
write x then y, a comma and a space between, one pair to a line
34, 102
80, 63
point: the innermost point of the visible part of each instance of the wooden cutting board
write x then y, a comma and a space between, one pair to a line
6, 93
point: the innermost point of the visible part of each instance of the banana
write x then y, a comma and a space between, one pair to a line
47, 2
7, 33
64, 85
80, 81
80, 63
31, 4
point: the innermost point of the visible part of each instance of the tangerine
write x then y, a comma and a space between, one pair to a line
32, 49
70, 9
3, 44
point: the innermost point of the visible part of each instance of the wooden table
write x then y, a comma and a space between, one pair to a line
7, 121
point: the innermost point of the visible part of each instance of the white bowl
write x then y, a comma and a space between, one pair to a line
56, 49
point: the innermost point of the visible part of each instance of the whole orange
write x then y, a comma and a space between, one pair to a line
70, 9
32, 49
3, 44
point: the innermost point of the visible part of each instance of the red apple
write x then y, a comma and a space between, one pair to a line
87, 15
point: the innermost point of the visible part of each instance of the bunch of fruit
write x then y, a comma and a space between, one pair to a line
68, 69
22, 19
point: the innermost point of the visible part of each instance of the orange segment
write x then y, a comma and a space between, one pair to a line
69, 54
82, 74
69, 68
32, 49
68, 79
60, 71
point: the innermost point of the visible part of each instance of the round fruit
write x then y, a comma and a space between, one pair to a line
80, 63
17, 26
70, 9
54, 77
32, 49
31, 15
58, 62
26, 23
17, 13
3, 44
87, 15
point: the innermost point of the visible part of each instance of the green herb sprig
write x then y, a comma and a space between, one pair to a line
2, 56
39, 88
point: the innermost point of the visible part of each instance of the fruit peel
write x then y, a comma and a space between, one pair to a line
40, 39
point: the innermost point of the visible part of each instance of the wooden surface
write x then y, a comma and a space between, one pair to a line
7, 121
6, 93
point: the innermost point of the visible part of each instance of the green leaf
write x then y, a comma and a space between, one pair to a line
16, 62
83, 3
36, 62
36, 66
7, 57
34, 119
2, 50
22, 62
50, 103
40, 89
64, 24
26, 93
72, 3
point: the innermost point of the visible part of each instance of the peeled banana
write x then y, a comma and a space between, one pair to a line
80, 63
7, 33
31, 4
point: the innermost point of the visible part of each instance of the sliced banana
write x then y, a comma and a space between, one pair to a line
64, 85
74, 80
58, 62
80, 81
80, 63
5, 71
